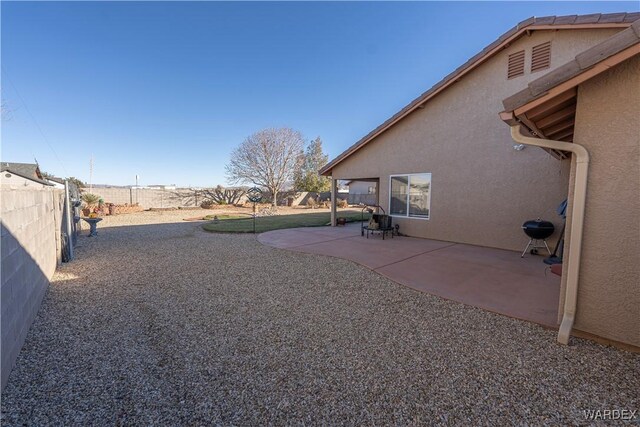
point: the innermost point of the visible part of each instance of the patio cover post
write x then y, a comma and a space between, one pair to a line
334, 196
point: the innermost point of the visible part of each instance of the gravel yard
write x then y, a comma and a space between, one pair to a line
160, 322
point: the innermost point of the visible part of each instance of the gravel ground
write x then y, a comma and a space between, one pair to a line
158, 322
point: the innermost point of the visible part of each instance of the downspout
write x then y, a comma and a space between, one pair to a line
577, 222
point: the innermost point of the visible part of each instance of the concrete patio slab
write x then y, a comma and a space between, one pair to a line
496, 258
493, 279
295, 237
520, 295
374, 256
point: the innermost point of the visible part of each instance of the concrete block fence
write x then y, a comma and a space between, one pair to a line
150, 197
31, 249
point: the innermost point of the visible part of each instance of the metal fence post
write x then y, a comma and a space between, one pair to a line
67, 209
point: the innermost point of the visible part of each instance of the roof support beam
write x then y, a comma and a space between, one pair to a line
561, 135
556, 117
551, 130
543, 108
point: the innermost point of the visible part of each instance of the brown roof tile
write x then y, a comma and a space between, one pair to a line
565, 20
530, 23
545, 20
612, 18
588, 19
526, 22
611, 46
564, 73
636, 27
632, 17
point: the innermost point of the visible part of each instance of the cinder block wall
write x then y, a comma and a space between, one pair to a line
30, 249
149, 197
152, 197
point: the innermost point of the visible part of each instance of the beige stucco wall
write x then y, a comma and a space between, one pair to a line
482, 189
606, 125
17, 181
362, 187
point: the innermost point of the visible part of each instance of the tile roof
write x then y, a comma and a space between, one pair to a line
30, 170
26, 170
530, 24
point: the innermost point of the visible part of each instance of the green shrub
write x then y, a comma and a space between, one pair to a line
90, 199
208, 204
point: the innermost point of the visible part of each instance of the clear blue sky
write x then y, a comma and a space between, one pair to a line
167, 90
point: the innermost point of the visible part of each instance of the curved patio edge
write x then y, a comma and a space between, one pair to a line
492, 279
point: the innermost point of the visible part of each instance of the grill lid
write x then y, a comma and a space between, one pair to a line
538, 229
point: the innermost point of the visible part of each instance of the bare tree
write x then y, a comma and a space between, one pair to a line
223, 196
267, 159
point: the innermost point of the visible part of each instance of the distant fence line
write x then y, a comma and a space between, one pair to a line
150, 197
156, 197
187, 197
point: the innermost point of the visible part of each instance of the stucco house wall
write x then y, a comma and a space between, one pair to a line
362, 187
359, 193
11, 179
482, 190
608, 108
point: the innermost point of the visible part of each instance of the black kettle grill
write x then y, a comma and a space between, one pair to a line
537, 230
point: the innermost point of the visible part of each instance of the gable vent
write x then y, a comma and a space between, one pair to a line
516, 65
541, 57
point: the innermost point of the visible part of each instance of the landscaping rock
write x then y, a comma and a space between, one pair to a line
158, 322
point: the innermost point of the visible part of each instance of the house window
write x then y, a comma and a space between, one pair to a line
410, 195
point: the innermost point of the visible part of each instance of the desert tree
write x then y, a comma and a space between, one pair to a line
306, 176
223, 196
267, 159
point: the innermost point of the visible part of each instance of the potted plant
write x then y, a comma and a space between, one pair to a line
90, 201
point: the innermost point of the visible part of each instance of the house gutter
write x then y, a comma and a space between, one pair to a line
577, 222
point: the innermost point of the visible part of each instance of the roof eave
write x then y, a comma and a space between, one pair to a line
526, 99
30, 178
504, 40
553, 97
